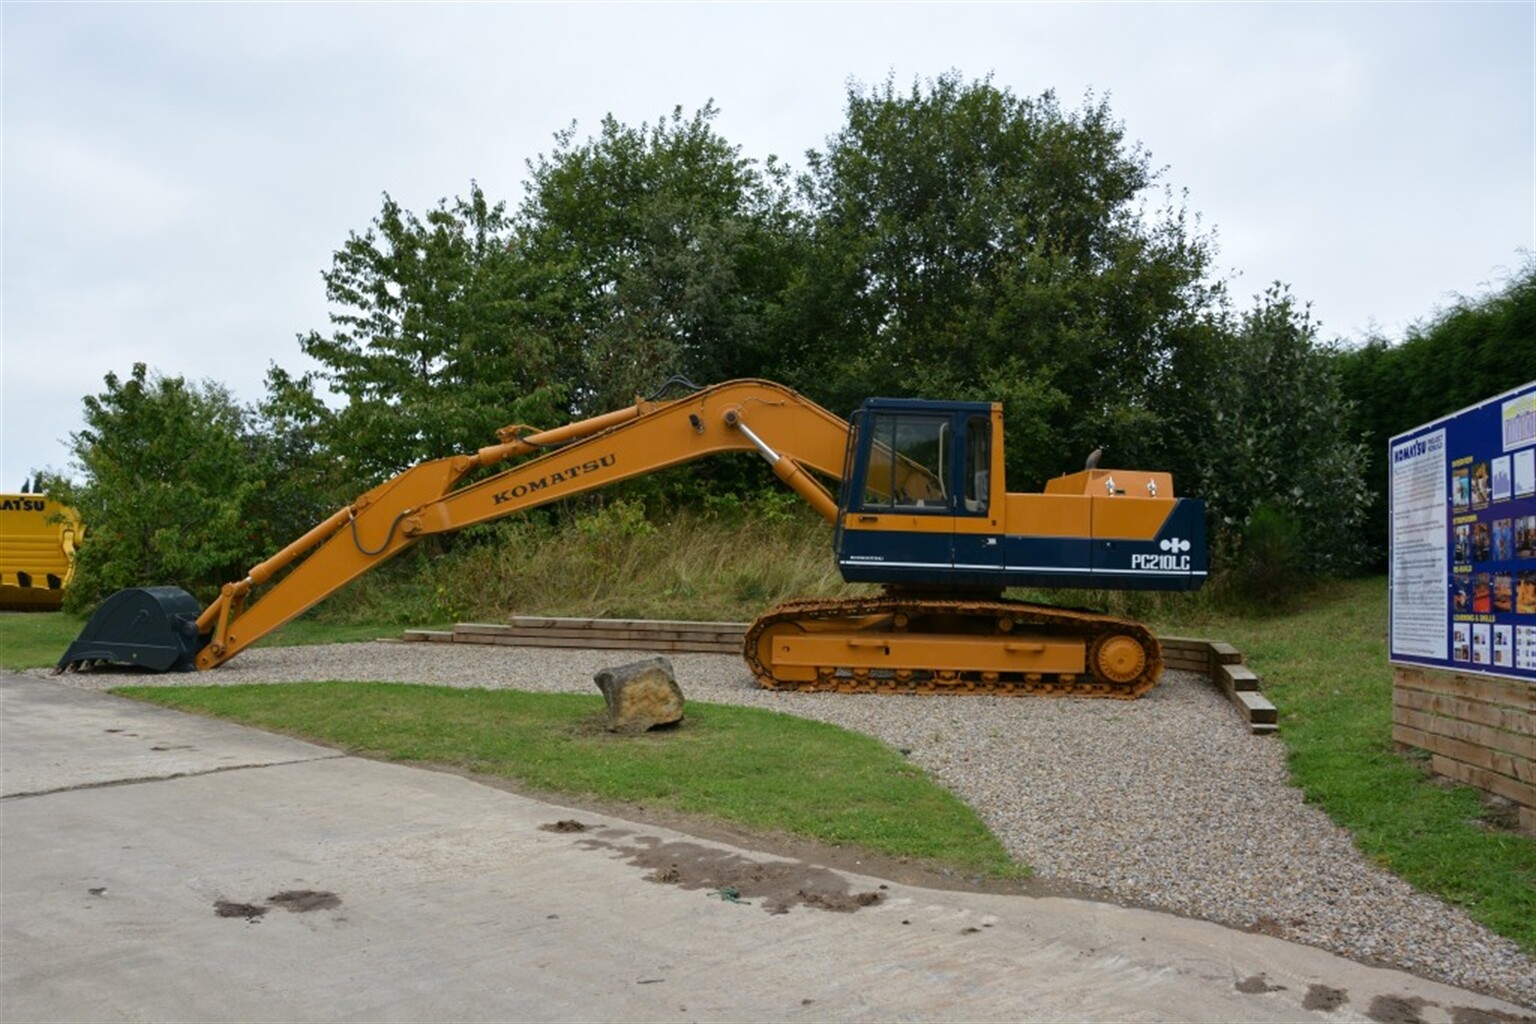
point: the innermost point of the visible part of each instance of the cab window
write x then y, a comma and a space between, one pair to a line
907, 463
978, 464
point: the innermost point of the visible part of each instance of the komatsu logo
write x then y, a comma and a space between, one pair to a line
23, 505
1419, 447
1175, 559
553, 479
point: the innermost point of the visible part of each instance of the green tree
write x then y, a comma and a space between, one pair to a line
1275, 452
291, 438
968, 242
435, 339
659, 250
168, 488
1478, 348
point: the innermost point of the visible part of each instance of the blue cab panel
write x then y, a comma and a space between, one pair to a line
1173, 560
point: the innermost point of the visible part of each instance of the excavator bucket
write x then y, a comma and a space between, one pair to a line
153, 628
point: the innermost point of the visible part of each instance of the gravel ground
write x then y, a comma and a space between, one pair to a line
1167, 802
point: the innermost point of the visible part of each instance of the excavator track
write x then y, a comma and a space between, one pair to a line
901, 643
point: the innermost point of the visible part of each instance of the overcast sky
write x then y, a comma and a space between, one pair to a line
177, 176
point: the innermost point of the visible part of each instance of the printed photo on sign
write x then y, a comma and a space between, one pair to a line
1480, 485
1461, 487
1525, 473
1482, 542
1461, 594
1503, 539
1480, 643
1461, 646
1464, 543
1525, 594
1500, 470
1517, 420
1504, 646
1482, 594
1525, 536
1504, 593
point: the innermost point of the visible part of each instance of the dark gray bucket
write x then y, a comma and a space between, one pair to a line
153, 628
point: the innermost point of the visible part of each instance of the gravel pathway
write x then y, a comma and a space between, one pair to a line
1167, 802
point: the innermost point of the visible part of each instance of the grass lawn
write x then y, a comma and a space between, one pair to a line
761, 769
35, 639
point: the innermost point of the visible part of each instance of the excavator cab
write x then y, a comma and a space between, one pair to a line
924, 505
917, 508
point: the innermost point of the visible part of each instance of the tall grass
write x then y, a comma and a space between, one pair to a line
611, 562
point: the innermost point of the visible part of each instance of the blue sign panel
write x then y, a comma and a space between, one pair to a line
1463, 540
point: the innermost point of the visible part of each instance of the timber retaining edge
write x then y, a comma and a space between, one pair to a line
1219, 662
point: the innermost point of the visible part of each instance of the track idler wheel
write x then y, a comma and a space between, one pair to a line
1117, 658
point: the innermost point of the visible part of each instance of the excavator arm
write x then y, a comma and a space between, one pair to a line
155, 627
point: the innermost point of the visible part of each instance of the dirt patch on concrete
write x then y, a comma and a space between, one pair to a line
1474, 1015
303, 901
250, 911
904, 870
777, 886
295, 901
1257, 985
1324, 998
842, 902
1397, 1010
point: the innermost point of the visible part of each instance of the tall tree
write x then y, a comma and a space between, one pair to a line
168, 490
970, 242
435, 342
293, 431
660, 250
1477, 348
1275, 442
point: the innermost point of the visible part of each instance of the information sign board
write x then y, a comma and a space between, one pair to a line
1463, 539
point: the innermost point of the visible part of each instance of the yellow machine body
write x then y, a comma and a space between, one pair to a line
38, 539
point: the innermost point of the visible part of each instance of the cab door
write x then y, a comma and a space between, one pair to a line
898, 524
977, 542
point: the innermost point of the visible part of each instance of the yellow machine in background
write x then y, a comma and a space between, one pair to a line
38, 538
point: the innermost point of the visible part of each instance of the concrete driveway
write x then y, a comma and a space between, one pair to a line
158, 866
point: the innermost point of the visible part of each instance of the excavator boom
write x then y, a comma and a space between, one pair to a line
427, 499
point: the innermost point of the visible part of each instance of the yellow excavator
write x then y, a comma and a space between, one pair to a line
38, 539
917, 503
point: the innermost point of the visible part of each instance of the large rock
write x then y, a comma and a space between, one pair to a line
641, 695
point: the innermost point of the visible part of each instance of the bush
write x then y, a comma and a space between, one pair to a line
1271, 563
171, 481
